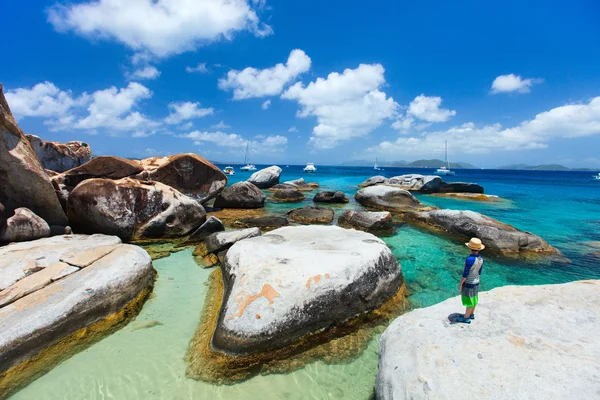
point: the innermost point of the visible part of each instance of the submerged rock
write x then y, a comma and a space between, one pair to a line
240, 195
266, 178
527, 342
88, 286
287, 196
330, 197
60, 157
497, 236
24, 181
418, 183
298, 280
24, 225
368, 221
132, 209
266, 223
469, 196
188, 173
375, 180
386, 197
312, 215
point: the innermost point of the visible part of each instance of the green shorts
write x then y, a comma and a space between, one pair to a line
470, 302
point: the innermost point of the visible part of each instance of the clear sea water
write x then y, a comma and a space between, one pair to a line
147, 363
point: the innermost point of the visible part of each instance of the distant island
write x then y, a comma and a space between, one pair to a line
542, 167
433, 163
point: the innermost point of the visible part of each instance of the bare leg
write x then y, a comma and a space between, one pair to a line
473, 310
468, 312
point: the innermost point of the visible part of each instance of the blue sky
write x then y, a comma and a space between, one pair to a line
324, 82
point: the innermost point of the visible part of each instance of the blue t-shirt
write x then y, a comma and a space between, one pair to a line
473, 269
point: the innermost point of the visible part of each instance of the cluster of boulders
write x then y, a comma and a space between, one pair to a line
423, 184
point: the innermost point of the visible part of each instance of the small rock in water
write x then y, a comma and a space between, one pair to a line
312, 215
145, 325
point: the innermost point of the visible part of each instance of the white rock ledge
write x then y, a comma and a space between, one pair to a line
527, 342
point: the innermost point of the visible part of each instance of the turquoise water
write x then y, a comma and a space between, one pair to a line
141, 362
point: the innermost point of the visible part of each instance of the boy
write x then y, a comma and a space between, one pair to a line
469, 283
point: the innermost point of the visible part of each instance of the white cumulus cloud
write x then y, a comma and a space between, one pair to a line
159, 27
252, 82
266, 105
42, 100
148, 72
201, 68
513, 83
221, 125
267, 144
427, 108
568, 121
183, 111
346, 105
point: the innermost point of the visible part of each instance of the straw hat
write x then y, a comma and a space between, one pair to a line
475, 244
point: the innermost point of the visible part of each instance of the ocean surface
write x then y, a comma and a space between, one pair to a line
140, 362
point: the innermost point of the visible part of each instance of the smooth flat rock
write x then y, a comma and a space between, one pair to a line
497, 236
240, 195
41, 319
223, 240
312, 215
386, 197
60, 157
25, 182
527, 342
24, 225
297, 280
330, 197
417, 183
187, 173
86, 257
266, 178
374, 180
287, 196
266, 222
132, 209
368, 221
18, 260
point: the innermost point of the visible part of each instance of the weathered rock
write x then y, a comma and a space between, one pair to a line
188, 173
211, 226
461, 187
220, 241
282, 186
69, 309
375, 180
330, 197
19, 260
24, 180
368, 221
240, 195
60, 157
60, 230
109, 167
266, 223
312, 215
132, 209
266, 178
386, 197
418, 183
301, 185
23, 226
469, 196
528, 342
496, 236
299, 280
287, 196
2, 219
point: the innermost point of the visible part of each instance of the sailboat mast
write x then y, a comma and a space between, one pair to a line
246, 157
446, 154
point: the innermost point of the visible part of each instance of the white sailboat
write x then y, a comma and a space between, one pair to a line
310, 168
247, 166
445, 170
596, 177
376, 167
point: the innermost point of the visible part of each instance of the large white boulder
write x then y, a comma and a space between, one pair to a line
527, 342
417, 182
386, 197
299, 280
77, 281
266, 178
60, 157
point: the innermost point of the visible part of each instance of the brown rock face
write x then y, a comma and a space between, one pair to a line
132, 209
189, 173
100, 167
24, 180
312, 215
60, 157
24, 226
